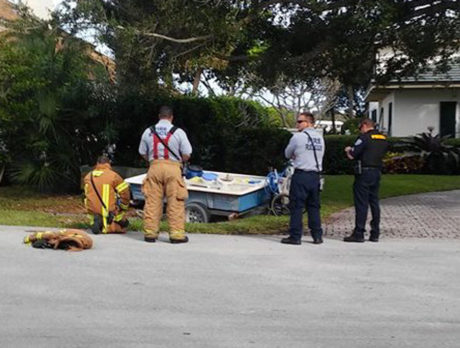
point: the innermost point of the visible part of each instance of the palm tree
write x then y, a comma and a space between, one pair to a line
51, 104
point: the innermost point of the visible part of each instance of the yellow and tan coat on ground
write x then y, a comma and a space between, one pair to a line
111, 187
68, 239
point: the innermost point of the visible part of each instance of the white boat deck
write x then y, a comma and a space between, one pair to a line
225, 183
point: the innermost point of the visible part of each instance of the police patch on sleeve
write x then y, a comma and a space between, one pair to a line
358, 142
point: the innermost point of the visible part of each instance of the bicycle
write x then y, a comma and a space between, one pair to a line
278, 186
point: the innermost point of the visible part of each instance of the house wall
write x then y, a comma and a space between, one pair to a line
373, 106
41, 8
383, 122
7, 11
416, 110
383, 119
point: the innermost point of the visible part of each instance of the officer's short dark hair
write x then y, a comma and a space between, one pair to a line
309, 116
165, 112
103, 159
366, 121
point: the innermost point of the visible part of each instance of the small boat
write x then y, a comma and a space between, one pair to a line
215, 193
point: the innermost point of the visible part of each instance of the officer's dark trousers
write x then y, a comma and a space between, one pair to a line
304, 191
366, 193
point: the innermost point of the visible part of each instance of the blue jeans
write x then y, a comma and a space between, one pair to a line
304, 191
365, 194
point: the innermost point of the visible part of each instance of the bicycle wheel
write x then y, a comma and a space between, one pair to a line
279, 205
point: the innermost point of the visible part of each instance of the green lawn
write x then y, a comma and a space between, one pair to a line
27, 208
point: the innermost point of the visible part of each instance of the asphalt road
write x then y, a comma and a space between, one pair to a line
230, 291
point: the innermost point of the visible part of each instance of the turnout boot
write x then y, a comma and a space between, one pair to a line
178, 241
96, 227
150, 239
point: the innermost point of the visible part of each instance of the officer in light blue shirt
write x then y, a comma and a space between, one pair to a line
306, 149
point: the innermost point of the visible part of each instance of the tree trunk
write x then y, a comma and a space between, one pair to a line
334, 131
283, 119
2, 171
196, 81
351, 96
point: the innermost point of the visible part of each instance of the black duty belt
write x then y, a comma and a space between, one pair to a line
305, 171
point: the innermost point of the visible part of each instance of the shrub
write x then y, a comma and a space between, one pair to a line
216, 128
400, 163
351, 125
335, 161
439, 157
455, 142
254, 151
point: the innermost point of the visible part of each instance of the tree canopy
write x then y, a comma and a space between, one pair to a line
302, 40
153, 40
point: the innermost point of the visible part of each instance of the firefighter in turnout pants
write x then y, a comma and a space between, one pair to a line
106, 198
165, 147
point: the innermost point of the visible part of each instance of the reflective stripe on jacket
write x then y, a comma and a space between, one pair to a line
110, 186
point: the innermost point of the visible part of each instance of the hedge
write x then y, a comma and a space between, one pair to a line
453, 142
218, 128
335, 160
227, 134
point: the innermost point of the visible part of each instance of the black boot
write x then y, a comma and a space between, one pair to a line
353, 238
96, 228
318, 240
123, 223
374, 238
177, 241
149, 239
290, 240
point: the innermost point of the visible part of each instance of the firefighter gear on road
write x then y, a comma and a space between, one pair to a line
70, 239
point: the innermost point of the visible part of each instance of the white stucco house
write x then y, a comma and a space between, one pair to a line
40, 8
410, 106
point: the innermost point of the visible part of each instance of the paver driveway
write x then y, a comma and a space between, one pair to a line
425, 215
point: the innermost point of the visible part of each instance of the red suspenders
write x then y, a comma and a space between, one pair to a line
166, 152
155, 146
157, 140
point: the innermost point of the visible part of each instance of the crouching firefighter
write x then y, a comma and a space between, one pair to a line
106, 198
165, 147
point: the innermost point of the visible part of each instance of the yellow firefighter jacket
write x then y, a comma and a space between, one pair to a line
110, 187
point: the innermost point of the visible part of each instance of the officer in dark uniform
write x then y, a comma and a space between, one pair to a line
368, 151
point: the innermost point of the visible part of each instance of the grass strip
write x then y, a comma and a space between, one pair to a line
336, 196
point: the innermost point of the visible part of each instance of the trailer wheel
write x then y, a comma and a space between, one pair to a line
195, 212
279, 205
